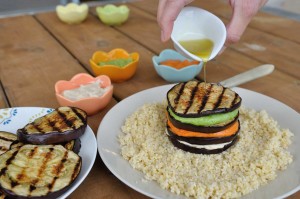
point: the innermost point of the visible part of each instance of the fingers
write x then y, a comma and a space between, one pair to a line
235, 29
168, 11
167, 16
161, 6
243, 12
238, 23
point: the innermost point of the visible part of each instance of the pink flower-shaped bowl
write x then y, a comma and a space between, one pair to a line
90, 105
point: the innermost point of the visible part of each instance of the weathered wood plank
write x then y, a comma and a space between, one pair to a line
3, 102
101, 183
92, 35
30, 61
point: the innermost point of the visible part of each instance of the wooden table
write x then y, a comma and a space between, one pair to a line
38, 50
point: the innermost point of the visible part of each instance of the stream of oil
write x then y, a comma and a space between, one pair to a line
201, 48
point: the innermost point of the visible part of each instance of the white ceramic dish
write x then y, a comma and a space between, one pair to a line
286, 183
12, 119
196, 23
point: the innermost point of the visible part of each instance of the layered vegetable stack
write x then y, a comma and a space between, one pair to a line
202, 117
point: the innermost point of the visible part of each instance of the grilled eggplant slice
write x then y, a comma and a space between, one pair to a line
16, 144
38, 171
6, 139
62, 125
3, 195
183, 147
73, 145
195, 99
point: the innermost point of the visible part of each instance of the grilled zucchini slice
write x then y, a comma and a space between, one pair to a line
38, 171
62, 125
6, 139
195, 99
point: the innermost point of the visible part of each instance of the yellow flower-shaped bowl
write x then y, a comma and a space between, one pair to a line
115, 73
72, 13
113, 15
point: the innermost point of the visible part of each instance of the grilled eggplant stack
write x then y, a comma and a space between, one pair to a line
202, 117
62, 125
38, 171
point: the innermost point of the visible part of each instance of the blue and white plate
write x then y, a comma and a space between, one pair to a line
11, 119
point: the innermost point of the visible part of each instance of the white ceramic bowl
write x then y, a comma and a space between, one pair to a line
196, 23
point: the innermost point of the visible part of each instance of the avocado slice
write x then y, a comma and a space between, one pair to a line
209, 120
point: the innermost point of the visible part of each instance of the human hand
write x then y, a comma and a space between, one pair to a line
243, 12
167, 13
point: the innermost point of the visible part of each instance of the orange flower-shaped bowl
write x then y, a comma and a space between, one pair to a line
90, 105
116, 73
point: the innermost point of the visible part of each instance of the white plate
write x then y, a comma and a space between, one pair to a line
286, 183
12, 119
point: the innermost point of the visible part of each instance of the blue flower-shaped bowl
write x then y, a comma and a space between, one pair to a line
171, 74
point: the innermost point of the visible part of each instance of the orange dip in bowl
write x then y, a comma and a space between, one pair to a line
178, 64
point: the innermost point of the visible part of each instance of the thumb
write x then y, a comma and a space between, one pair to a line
168, 12
235, 29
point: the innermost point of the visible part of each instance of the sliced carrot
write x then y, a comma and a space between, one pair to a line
225, 133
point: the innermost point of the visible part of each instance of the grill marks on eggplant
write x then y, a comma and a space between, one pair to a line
57, 170
7, 162
62, 125
192, 96
203, 101
76, 170
60, 120
53, 169
192, 101
195, 99
179, 92
73, 145
6, 139
41, 170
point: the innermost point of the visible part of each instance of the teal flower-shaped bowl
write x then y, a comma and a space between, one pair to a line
113, 15
171, 74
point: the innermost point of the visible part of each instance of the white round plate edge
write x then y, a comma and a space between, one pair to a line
158, 98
